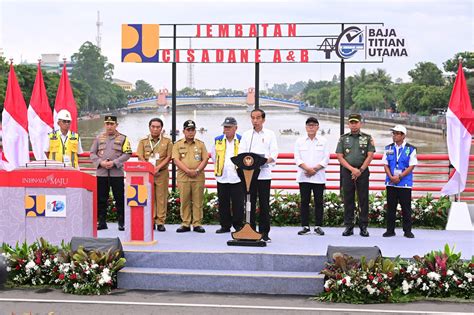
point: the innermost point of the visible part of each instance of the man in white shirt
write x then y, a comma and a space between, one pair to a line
229, 186
261, 141
311, 157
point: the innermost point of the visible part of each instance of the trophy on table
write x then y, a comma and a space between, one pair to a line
248, 167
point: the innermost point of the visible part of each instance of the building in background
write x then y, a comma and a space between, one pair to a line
127, 86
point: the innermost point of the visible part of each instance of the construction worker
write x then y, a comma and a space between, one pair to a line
64, 144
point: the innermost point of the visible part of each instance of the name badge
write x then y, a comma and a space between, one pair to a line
397, 172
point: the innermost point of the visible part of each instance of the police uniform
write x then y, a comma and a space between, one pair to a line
64, 148
155, 152
355, 148
114, 148
191, 190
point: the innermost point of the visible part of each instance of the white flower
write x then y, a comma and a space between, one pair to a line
30, 264
9, 268
370, 289
406, 286
327, 283
348, 280
449, 272
47, 262
419, 281
434, 276
76, 285
424, 287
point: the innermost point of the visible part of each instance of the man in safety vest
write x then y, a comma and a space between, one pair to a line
229, 186
64, 144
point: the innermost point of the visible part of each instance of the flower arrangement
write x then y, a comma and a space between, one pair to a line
77, 272
437, 274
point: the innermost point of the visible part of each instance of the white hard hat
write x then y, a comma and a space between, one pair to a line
399, 128
64, 115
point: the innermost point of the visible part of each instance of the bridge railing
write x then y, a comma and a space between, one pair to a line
430, 175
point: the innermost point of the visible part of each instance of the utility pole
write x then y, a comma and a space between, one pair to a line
99, 35
190, 71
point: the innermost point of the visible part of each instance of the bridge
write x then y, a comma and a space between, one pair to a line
163, 103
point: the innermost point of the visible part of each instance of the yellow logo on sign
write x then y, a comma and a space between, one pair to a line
140, 42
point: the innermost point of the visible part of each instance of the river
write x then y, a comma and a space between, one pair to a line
135, 126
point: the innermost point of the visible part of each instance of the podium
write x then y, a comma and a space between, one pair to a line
139, 203
53, 203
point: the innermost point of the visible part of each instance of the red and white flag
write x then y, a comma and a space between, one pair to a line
65, 100
460, 127
40, 118
14, 125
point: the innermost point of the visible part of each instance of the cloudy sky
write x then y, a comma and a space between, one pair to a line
433, 31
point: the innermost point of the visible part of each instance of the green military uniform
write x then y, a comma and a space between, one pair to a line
355, 148
191, 190
156, 151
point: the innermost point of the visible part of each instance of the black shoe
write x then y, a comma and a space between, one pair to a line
409, 234
304, 231
102, 226
121, 228
183, 228
363, 231
319, 231
348, 231
161, 228
222, 230
199, 229
388, 234
266, 239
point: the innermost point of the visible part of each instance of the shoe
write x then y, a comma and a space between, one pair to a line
409, 234
319, 231
199, 229
304, 231
348, 231
121, 228
102, 227
161, 228
388, 234
183, 228
363, 231
222, 230
266, 239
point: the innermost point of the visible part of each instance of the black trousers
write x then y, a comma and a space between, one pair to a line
394, 196
103, 188
228, 193
305, 192
350, 188
260, 189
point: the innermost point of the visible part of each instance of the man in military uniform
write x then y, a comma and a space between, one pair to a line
64, 144
156, 149
190, 156
355, 151
108, 153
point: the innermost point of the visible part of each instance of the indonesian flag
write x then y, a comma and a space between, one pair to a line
460, 127
40, 118
65, 100
15, 126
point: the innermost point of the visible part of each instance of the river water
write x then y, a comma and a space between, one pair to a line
135, 126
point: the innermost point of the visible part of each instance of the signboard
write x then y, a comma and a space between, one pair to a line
260, 43
45, 206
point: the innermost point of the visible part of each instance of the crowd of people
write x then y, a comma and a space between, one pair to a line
355, 150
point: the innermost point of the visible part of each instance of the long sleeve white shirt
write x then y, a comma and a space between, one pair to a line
229, 173
263, 143
312, 153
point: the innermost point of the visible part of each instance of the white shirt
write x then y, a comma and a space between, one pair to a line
229, 173
263, 143
398, 149
312, 153
65, 137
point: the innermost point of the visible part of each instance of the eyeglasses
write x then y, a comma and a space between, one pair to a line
66, 121
397, 133
312, 125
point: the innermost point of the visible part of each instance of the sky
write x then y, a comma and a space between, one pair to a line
433, 31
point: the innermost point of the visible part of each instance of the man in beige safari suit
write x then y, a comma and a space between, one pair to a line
190, 156
156, 149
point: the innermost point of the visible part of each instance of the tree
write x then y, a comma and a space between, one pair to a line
411, 99
144, 89
322, 97
451, 65
427, 73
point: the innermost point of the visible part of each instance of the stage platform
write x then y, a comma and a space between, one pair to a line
290, 264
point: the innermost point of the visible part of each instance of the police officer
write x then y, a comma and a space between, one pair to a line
190, 156
64, 144
229, 187
399, 160
108, 153
355, 151
156, 149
